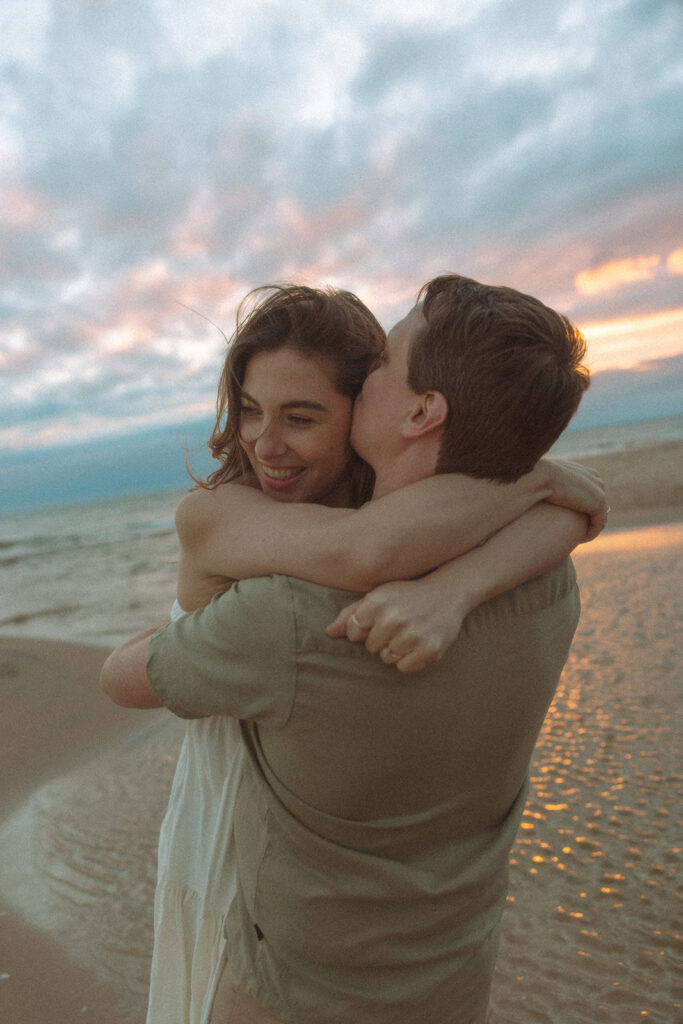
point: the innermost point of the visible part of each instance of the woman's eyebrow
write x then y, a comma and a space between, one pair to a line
304, 403
297, 403
245, 395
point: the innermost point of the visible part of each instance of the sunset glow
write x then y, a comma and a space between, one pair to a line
157, 165
615, 274
624, 343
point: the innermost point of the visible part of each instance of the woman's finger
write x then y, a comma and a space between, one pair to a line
347, 624
417, 659
387, 632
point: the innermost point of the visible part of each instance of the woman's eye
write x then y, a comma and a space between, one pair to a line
248, 410
300, 420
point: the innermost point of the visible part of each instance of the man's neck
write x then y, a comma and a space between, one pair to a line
406, 469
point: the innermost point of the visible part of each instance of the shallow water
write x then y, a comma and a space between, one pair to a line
618, 436
592, 930
95, 573
79, 859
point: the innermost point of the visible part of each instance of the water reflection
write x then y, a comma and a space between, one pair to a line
637, 539
595, 930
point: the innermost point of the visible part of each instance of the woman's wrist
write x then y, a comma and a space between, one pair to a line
464, 581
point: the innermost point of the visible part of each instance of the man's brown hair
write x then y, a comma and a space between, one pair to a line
509, 367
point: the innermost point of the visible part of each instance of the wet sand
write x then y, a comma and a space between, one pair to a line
591, 930
58, 733
644, 485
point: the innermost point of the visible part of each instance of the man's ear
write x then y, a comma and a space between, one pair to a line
429, 413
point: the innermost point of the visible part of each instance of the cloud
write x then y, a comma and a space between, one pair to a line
154, 155
621, 343
674, 262
616, 273
628, 271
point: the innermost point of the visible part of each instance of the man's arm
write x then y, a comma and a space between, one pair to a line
235, 657
124, 673
410, 624
237, 532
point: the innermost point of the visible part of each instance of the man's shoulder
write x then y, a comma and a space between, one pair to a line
549, 589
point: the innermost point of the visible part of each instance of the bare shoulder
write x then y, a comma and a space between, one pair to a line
192, 510
203, 509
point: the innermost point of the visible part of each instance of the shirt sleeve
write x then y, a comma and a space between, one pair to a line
235, 657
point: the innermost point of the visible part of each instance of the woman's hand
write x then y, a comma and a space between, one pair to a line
579, 488
413, 623
406, 623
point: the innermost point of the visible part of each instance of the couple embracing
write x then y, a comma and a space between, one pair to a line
336, 845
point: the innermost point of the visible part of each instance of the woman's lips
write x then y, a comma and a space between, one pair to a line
279, 478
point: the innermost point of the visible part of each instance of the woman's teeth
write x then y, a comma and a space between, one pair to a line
282, 474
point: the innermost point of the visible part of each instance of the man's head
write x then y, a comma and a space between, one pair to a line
507, 368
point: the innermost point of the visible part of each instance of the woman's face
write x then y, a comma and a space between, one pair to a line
294, 427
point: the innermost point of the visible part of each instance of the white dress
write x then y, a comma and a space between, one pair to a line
196, 880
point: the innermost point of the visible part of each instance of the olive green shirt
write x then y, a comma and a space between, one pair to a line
376, 811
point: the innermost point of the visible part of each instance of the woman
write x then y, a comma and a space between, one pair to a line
295, 365
299, 357
324, 342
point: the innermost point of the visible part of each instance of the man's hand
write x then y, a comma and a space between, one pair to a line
579, 488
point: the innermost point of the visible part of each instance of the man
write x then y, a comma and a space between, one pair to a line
375, 814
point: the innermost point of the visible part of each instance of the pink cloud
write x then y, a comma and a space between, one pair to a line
219, 289
674, 262
149, 276
616, 273
19, 207
624, 342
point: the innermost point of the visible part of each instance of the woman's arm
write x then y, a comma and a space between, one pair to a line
195, 587
124, 674
411, 624
236, 532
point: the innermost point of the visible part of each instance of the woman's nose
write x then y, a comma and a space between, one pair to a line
269, 444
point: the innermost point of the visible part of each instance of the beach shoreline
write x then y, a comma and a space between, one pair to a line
56, 721
644, 484
61, 739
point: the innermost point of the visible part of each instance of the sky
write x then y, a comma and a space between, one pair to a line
159, 159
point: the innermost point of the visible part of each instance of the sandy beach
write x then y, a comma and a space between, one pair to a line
591, 930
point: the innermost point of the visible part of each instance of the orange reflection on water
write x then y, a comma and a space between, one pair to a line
640, 539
